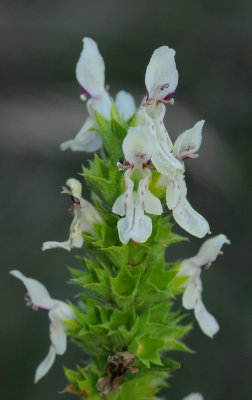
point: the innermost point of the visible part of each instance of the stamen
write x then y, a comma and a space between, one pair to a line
171, 102
147, 165
122, 167
148, 102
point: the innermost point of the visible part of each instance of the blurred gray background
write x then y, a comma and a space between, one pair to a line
40, 108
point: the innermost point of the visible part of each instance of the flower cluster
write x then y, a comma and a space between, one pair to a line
146, 143
147, 146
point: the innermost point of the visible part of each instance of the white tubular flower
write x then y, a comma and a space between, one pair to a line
192, 268
85, 215
125, 104
90, 73
161, 78
37, 298
131, 205
194, 396
168, 161
161, 81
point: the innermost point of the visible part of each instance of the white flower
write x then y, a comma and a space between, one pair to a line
90, 73
168, 160
125, 104
161, 78
194, 396
39, 298
137, 148
85, 215
192, 268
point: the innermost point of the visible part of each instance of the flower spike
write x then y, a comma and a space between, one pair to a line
85, 215
192, 268
58, 312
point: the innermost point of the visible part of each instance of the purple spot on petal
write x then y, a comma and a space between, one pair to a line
84, 90
127, 195
143, 206
142, 193
169, 95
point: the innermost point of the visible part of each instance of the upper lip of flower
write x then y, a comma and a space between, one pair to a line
161, 76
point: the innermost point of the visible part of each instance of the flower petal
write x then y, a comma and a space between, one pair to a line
138, 145
61, 311
161, 71
90, 69
120, 205
150, 203
188, 143
75, 237
125, 104
85, 140
135, 225
192, 292
207, 322
74, 188
172, 192
46, 364
156, 114
210, 249
89, 216
38, 293
189, 219
54, 245
58, 335
162, 157
101, 104
194, 396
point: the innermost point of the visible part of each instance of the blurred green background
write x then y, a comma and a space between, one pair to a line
40, 108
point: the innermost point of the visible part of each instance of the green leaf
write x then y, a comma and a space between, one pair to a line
146, 349
124, 286
167, 365
118, 255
